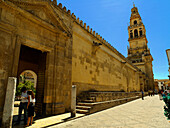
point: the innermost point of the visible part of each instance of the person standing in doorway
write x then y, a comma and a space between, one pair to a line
142, 94
30, 107
23, 105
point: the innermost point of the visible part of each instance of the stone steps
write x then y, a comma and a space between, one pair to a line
85, 104
89, 101
81, 111
83, 107
105, 96
87, 108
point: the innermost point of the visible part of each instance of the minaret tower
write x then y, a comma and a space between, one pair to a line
138, 52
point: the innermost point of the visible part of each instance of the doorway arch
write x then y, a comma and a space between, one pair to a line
30, 76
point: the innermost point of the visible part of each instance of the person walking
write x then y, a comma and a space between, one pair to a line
23, 105
149, 92
153, 93
30, 107
142, 94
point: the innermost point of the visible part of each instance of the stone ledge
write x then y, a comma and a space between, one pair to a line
105, 96
98, 106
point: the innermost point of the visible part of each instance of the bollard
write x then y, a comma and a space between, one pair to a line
9, 103
73, 101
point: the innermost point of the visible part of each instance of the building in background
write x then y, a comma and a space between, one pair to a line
162, 84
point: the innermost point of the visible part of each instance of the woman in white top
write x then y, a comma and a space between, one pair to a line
30, 106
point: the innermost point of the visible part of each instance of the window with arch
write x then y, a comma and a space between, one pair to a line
131, 34
140, 32
135, 22
136, 33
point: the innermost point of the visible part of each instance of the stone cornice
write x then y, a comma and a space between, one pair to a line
43, 4
7, 27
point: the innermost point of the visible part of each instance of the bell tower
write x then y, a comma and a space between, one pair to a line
138, 51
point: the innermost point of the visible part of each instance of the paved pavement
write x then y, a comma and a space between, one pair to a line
146, 113
47, 122
44, 122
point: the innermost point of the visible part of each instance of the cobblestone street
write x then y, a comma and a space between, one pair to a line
146, 113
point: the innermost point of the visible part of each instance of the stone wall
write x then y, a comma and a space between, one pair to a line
5, 67
101, 69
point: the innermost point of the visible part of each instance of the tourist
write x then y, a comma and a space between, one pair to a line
23, 105
142, 94
30, 107
149, 93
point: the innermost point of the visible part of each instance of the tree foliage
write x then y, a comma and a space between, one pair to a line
28, 84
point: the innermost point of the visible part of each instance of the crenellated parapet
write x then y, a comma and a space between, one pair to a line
84, 25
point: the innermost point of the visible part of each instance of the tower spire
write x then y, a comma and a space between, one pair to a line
133, 4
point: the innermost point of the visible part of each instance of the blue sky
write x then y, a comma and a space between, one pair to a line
110, 18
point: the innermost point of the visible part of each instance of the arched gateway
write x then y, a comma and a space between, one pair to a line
35, 60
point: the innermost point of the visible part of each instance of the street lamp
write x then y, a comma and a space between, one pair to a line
168, 55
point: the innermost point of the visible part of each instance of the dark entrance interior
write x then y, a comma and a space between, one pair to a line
35, 60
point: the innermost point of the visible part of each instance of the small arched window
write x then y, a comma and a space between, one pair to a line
136, 33
140, 32
135, 22
131, 34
